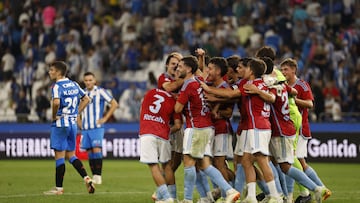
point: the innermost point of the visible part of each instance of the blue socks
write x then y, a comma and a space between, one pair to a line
201, 182
239, 178
301, 178
172, 191
72, 159
310, 172
163, 192
263, 186
218, 179
60, 161
282, 180
276, 178
189, 182
289, 183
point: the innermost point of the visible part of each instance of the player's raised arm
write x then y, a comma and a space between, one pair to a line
201, 58
201, 63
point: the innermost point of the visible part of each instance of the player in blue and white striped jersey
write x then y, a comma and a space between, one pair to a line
92, 120
68, 99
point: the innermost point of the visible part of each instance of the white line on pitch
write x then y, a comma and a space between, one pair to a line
68, 193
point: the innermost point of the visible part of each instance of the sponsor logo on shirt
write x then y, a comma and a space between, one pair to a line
154, 118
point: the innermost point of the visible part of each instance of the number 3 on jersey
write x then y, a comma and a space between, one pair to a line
155, 108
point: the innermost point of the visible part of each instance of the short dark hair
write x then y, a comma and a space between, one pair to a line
89, 73
269, 64
233, 61
60, 66
245, 61
221, 63
192, 62
266, 51
258, 67
173, 55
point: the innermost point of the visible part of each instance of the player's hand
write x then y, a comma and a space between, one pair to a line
251, 89
200, 52
216, 114
204, 86
210, 97
175, 95
56, 118
79, 122
101, 121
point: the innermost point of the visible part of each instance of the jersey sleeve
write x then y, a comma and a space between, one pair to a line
162, 79
305, 92
55, 92
104, 94
183, 97
240, 87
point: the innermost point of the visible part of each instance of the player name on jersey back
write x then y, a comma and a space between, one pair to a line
154, 118
71, 92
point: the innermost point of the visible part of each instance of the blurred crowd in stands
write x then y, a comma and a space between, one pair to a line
124, 43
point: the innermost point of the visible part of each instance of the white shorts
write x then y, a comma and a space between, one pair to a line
255, 140
198, 142
176, 141
222, 145
239, 147
282, 149
301, 148
154, 149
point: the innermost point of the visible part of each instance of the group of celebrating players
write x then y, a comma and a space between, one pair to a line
271, 139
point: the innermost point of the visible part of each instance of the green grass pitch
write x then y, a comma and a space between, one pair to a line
128, 181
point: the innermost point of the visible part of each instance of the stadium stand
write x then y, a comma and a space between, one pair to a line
123, 41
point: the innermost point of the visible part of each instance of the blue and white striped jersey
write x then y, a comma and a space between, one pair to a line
69, 93
95, 110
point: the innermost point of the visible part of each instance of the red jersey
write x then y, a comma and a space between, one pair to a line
255, 112
223, 126
305, 93
196, 109
281, 125
164, 77
156, 111
242, 110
